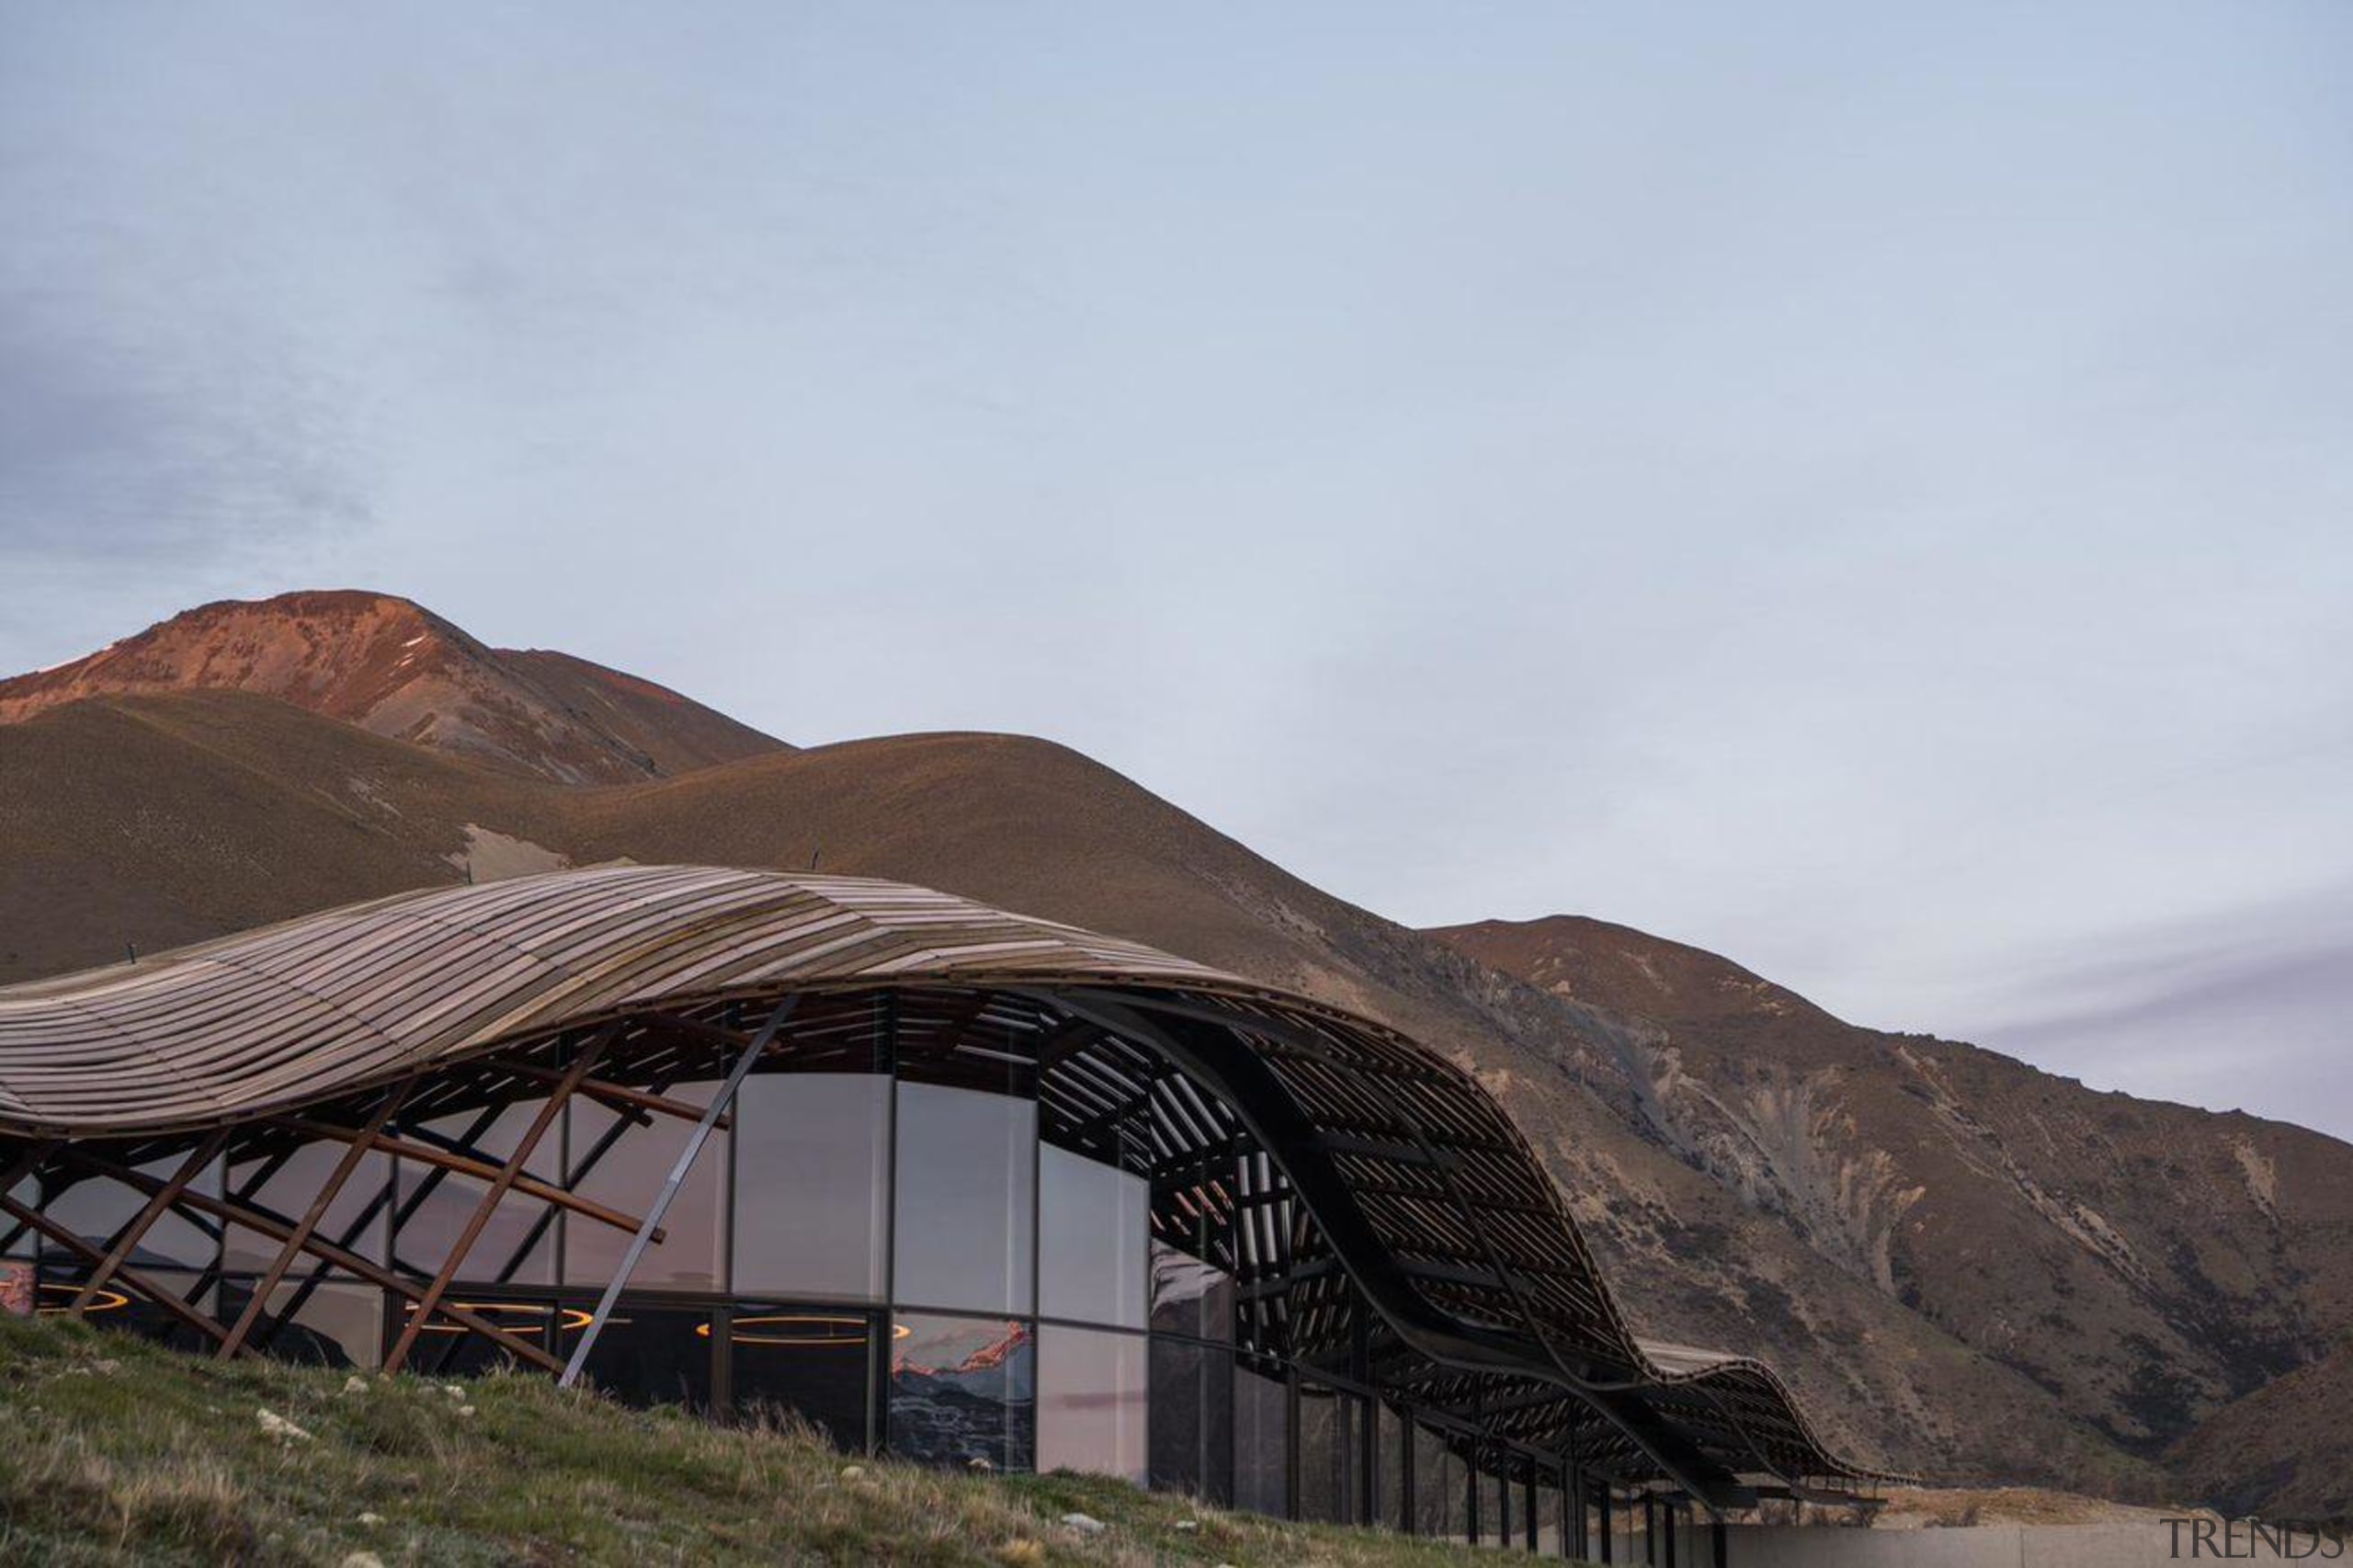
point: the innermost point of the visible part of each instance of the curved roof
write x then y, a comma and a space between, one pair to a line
1424, 1190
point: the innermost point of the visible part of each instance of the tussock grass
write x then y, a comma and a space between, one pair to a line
113, 1450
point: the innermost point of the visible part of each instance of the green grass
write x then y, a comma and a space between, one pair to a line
114, 1451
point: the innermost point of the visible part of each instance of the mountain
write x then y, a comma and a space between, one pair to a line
2147, 1263
397, 669
1965, 1266
2285, 1449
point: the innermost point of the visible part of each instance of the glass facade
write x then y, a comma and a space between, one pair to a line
1092, 1402
961, 1228
955, 1259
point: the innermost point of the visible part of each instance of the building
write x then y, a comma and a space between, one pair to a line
959, 1186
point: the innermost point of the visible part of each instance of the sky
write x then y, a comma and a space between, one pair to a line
1865, 489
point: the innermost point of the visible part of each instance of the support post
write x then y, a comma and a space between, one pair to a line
496, 1194
685, 1162
300, 1237
132, 1233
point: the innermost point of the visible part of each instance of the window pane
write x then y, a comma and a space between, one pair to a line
1438, 1482
1261, 1443
1190, 1296
1394, 1509
97, 1207
1550, 1522
812, 1176
17, 1239
963, 1391
815, 1363
447, 1349
518, 1244
1093, 1222
1191, 1415
355, 1221
647, 1354
338, 1324
1330, 1434
962, 1222
628, 1176
116, 1307
1091, 1407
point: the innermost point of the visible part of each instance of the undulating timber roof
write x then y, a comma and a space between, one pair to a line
1422, 1191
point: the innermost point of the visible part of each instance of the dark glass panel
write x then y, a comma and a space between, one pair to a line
963, 1391
338, 1323
812, 1170
18, 1240
814, 1361
119, 1307
1092, 1413
966, 1177
628, 1176
1191, 1415
1392, 1509
517, 1245
1441, 1478
1331, 1448
1261, 1443
96, 1208
1094, 1225
355, 1219
1552, 1521
1498, 1521
1190, 1296
447, 1349
647, 1354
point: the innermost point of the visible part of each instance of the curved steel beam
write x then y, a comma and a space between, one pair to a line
1221, 1061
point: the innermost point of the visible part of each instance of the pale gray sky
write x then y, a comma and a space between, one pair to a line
1866, 489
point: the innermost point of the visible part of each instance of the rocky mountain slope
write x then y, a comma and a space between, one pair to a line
2286, 1449
397, 669
1967, 1268
2148, 1263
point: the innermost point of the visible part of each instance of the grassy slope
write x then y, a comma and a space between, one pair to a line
120, 1452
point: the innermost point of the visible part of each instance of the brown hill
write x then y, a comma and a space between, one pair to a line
2286, 1450
2146, 1262
397, 669
161, 818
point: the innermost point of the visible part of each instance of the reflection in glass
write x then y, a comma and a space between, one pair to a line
813, 1167
1261, 1443
355, 1219
125, 1310
1552, 1521
1191, 1416
1190, 1296
96, 1208
963, 1391
1091, 1403
519, 1243
628, 1176
811, 1360
1331, 1450
1392, 1509
1094, 1224
1439, 1488
338, 1324
646, 1354
447, 1349
963, 1223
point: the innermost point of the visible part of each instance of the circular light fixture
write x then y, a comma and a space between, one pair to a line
103, 1301
824, 1331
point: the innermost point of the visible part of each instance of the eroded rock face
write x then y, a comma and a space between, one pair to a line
2146, 1263
397, 669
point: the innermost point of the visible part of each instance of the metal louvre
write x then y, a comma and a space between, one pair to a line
1338, 1164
